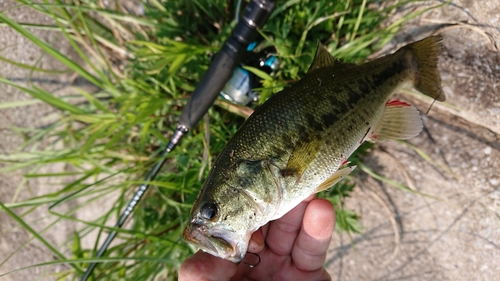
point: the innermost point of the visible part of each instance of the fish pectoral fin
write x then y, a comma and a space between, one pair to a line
302, 155
335, 178
399, 121
322, 58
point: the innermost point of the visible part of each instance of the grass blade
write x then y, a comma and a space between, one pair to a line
51, 50
35, 234
46, 97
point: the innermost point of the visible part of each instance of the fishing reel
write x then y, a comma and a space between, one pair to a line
239, 89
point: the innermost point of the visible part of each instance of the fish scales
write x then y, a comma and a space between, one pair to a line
332, 96
294, 144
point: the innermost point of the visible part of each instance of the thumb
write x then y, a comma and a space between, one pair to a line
205, 267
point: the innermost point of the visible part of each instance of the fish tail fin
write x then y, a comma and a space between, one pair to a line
423, 60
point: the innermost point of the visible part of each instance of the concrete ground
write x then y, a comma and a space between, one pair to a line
406, 236
14, 240
457, 236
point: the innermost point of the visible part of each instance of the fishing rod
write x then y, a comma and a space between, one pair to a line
213, 81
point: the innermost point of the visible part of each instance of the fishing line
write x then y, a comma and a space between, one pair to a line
237, 13
428, 110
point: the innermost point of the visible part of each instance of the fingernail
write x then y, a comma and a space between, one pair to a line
251, 259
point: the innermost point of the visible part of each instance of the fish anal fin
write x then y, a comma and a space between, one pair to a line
335, 178
400, 121
302, 155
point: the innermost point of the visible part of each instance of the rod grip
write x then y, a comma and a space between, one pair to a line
227, 59
213, 81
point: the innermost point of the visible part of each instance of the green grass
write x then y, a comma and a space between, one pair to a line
145, 68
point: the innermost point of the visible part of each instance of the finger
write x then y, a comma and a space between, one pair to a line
309, 251
256, 242
282, 232
265, 230
205, 267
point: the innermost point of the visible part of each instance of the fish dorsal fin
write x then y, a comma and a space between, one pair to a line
302, 155
322, 58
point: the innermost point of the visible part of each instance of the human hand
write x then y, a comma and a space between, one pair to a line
290, 248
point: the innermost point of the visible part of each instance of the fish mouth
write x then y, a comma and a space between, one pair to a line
214, 243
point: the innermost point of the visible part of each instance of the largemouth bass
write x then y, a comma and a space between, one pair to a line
297, 143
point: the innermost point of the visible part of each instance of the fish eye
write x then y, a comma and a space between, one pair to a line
209, 211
